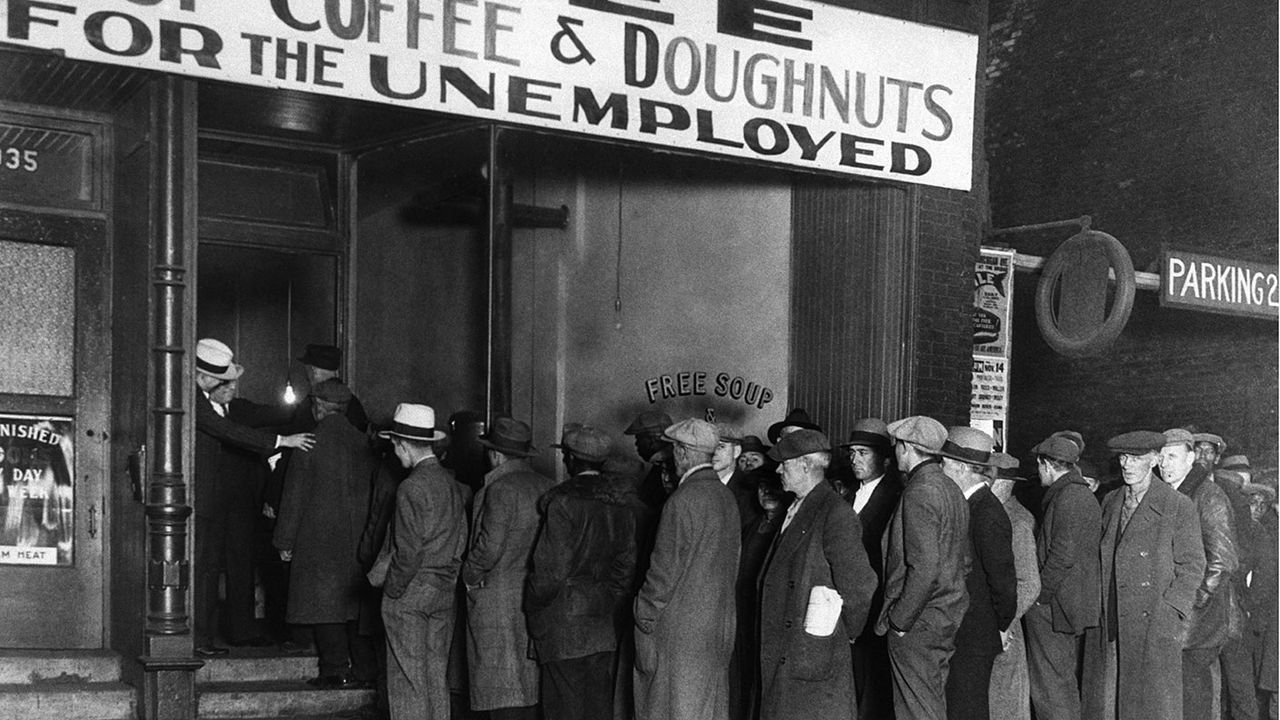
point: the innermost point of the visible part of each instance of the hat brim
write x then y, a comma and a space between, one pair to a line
970, 459
775, 430
313, 362
435, 436
233, 372
508, 449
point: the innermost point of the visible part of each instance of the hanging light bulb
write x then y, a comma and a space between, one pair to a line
290, 397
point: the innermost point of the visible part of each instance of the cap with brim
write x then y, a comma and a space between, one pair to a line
693, 433
921, 431
1059, 448
586, 443
332, 391
728, 433
649, 421
1236, 462
414, 422
1259, 489
869, 432
1179, 436
798, 443
1073, 436
1006, 466
509, 437
214, 358
1210, 438
325, 357
797, 418
1136, 442
969, 445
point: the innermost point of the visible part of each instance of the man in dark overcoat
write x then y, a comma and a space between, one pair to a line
322, 514
992, 582
684, 619
583, 571
1215, 601
805, 631
423, 553
725, 462
926, 559
874, 499
503, 678
1152, 565
1070, 575
220, 492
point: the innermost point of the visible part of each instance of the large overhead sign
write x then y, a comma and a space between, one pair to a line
1234, 287
804, 83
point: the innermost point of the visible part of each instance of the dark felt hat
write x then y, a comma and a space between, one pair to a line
509, 437
870, 432
332, 390
798, 418
752, 443
649, 421
1136, 442
325, 357
800, 442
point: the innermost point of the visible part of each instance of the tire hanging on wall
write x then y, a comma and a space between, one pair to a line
1105, 334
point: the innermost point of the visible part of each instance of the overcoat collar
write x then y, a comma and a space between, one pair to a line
787, 541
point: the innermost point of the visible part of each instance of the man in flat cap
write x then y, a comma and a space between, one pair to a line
647, 429
725, 462
324, 363
814, 591
225, 503
992, 582
1010, 691
1208, 449
879, 485
684, 622
926, 561
1152, 567
1070, 575
322, 514
582, 575
504, 525
423, 549
1215, 598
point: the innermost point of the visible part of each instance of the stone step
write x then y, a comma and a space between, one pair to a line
257, 669
67, 700
18, 667
276, 698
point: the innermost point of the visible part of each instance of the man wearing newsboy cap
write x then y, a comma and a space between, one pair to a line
926, 561
684, 619
818, 551
1152, 565
423, 552
1070, 575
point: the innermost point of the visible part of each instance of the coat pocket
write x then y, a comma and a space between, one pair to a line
814, 658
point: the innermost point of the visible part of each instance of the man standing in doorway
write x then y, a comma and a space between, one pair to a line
1152, 566
1070, 575
926, 561
1207, 629
423, 549
874, 499
220, 492
684, 629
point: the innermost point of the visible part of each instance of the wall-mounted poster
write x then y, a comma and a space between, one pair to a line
37, 497
992, 300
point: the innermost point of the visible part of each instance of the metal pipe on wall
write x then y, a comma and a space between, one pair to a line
499, 341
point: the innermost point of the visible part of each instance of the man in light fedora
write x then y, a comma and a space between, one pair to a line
222, 498
992, 582
423, 551
684, 622
504, 525
926, 560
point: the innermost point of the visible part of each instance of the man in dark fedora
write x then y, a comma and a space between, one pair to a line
423, 553
1070, 575
684, 622
815, 589
504, 525
875, 496
753, 454
647, 429
926, 561
992, 583
224, 501
583, 572
322, 515
324, 362
797, 419
1152, 567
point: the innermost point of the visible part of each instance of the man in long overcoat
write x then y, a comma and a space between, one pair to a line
926, 559
805, 669
322, 513
1152, 564
684, 619
504, 680
583, 571
1070, 575
1010, 692
423, 551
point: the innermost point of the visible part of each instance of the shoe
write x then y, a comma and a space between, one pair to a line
211, 651
294, 648
331, 682
256, 641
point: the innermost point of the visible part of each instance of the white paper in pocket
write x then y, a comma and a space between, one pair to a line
823, 613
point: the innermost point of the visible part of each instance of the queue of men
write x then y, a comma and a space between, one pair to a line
720, 577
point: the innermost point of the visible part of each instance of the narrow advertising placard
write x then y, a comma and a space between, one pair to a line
37, 495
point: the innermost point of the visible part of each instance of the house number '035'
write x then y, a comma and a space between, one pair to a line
15, 159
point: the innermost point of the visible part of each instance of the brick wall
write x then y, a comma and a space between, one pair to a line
1162, 127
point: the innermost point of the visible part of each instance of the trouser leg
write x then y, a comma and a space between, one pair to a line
210, 535
873, 678
332, 648
969, 687
1052, 659
920, 661
1197, 683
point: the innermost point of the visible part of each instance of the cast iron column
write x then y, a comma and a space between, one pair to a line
169, 680
499, 355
